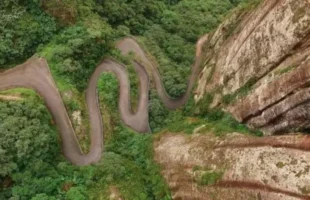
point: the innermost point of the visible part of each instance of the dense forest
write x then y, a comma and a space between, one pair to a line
74, 36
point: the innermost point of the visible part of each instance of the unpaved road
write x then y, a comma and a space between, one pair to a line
35, 74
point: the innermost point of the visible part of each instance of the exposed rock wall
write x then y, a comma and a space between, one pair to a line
258, 66
252, 168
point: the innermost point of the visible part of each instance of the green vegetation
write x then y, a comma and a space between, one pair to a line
248, 5
172, 39
203, 105
284, 70
221, 123
280, 165
75, 36
31, 163
217, 121
130, 160
207, 176
23, 27
213, 121
25, 93
75, 52
24, 130
32, 166
210, 178
129, 157
108, 97
169, 30
185, 125
241, 92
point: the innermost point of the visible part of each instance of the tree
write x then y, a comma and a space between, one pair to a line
23, 27
25, 135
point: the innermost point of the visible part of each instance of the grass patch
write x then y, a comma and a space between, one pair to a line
23, 92
216, 121
241, 92
203, 105
285, 70
249, 4
186, 126
221, 123
280, 165
205, 176
210, 178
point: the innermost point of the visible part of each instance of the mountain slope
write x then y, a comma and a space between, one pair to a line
257, 66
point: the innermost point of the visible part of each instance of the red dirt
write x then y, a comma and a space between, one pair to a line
259, 186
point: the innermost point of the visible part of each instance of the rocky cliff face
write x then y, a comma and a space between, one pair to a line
258, 66
235, 167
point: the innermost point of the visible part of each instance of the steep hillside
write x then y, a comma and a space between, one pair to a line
62, 43
257, 66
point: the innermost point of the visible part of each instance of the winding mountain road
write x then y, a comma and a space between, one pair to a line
35, 74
